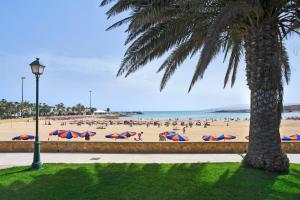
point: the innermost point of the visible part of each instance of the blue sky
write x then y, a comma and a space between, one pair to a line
70, 39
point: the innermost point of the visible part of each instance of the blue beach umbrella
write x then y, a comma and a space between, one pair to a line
207, 138
221, 137
57, 132
167, 133
116, 136
128, 133
69, 134
286, 138
295, 137
87, 134
23, 137
177, 137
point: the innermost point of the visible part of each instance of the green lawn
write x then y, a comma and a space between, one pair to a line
148, 181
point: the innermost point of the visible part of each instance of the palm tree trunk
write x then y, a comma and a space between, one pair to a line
265, 83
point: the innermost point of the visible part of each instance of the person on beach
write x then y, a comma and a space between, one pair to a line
183, 130
161, 137
139, 137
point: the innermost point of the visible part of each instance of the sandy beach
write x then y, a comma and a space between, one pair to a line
12, 128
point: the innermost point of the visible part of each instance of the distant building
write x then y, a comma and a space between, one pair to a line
100, 112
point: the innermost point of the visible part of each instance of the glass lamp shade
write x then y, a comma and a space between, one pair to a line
36, 67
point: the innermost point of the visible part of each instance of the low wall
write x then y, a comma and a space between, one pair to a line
137, 147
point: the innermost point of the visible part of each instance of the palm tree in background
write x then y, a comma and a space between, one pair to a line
45, 109
80, 109
60, 109
257, 28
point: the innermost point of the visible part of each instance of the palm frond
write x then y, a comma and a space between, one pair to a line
213, 42
284, 59
233, 61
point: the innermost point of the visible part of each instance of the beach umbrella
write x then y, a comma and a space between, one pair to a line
167, 133
24, 137
286, 138
229, 137
210, 138
57, 132
69, 134
87, 133
177, 137
221, 137
128, 133
116, 136
225, 137
295, 137
207, 138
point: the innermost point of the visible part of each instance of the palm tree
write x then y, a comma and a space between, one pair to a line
79, 109
28, 109
185, 27
60, 109
45, 109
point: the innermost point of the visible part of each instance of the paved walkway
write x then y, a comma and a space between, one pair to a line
22, 159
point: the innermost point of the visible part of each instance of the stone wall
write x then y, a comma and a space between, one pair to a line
137, 147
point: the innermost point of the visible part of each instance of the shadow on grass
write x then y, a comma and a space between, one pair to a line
149, 181
14, 171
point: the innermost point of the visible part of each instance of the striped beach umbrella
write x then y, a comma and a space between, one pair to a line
207, 138
57, 132
286, 138
230, 137
168, 133
23, 137
87, 133
116, 136
69, 134
210, 138
221, 137
128, 133
225, 137
295, 137
177, 137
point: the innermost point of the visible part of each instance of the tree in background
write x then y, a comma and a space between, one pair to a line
60, 109
45, 109
12, 109
80, 109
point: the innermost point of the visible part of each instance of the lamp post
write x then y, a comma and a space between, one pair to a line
37, 69
22, 78
90, 101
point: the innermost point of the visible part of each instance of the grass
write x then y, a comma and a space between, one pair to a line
148, 181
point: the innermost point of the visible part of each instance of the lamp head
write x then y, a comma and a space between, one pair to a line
37, 68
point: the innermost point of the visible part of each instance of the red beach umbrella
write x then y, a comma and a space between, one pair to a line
69, 134
116, 136
23, 137
87, 133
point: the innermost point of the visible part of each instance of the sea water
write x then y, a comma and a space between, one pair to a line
197, 115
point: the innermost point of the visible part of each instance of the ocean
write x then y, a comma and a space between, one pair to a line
196, 115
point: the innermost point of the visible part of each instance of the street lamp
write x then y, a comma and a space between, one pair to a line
22, 78
37, 69
90, 101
